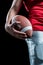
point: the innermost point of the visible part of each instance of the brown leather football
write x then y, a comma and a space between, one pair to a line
24, 25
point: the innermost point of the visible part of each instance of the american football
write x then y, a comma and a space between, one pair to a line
23, 26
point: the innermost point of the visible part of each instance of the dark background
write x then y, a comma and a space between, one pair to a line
11, 48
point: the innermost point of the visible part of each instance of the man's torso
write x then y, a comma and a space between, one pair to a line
35, 8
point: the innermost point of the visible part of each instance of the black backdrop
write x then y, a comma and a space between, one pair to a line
17, 48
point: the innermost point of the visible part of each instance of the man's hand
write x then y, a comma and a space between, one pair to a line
17, 34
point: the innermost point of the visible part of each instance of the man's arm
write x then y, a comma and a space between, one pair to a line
16, 5
13, 11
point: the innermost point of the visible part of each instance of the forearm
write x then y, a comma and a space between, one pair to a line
10, 14
14, 9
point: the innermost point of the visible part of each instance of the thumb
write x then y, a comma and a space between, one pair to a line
18, 22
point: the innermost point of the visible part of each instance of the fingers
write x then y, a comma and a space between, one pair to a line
23, 37
18, 22
19, 34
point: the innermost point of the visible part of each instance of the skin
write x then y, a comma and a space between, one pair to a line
13, 11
